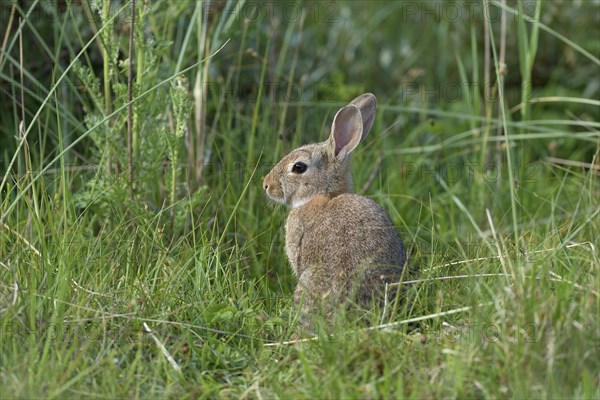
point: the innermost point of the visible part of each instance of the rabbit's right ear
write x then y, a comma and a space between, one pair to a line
346, 131
367, 104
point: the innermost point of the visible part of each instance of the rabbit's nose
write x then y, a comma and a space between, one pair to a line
265, 186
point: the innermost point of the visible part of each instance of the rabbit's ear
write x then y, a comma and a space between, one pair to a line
367, 104
346, 131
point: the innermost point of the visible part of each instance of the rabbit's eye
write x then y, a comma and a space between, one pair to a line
299, 168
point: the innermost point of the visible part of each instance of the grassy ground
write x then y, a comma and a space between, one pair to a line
175, 283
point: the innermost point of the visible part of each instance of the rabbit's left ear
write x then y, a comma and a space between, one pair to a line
367, 104
346, 131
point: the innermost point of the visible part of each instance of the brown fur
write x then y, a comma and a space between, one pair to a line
342, 247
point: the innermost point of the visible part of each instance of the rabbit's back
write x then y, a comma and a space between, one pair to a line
343, 241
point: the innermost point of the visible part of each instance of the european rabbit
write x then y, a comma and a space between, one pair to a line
342, 246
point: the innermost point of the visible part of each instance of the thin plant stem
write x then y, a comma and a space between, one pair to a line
130, 102
106, 56
8, 28
503, 71
511, 184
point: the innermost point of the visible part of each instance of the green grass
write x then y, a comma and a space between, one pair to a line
497, 199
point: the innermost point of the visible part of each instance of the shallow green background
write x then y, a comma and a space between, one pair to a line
484, 152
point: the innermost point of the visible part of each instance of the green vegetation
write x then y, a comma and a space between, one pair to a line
485, 152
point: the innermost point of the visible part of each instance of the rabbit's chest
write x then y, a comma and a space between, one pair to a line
306, 241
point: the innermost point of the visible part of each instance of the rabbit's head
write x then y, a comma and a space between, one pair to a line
322, 168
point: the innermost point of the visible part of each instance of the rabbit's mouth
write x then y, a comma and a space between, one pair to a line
275, 195
289, 201
278, 200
